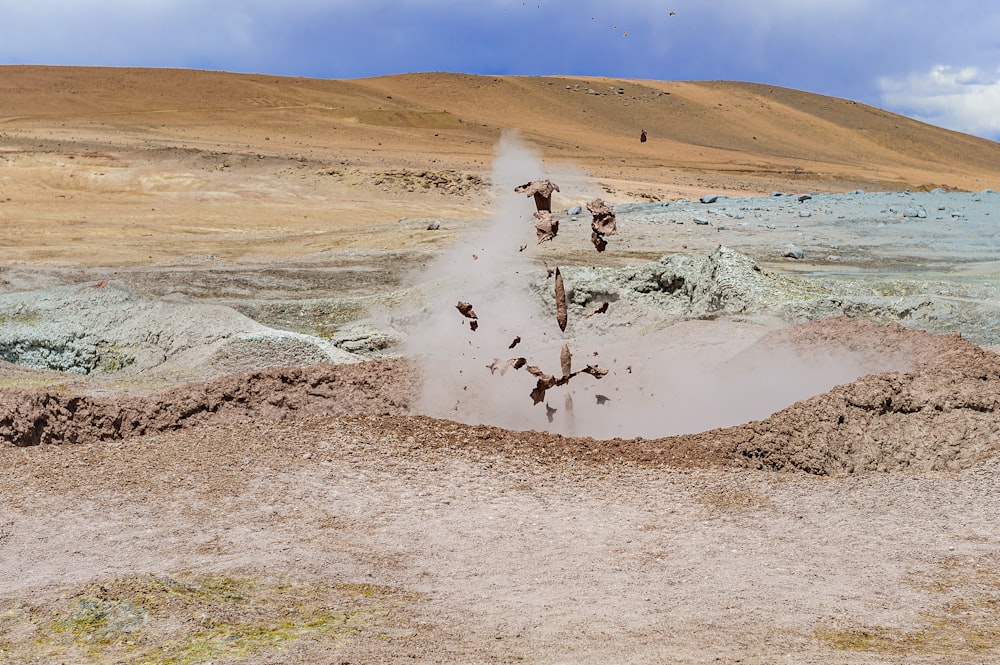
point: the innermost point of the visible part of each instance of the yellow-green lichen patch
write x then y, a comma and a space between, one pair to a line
184, 619
879, 639
110, 358
964, 620
21, 316
94, 620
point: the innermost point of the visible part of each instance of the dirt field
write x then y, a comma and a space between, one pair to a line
224, 508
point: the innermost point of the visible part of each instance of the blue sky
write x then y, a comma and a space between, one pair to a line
934, 61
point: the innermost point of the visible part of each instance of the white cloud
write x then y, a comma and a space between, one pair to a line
965, 99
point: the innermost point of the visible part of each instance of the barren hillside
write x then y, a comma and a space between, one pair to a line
174, 162
751, 129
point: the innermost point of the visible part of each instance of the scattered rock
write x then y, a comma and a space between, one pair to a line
793, 252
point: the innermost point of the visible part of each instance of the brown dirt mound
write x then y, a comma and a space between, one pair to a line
940, 416
47, 417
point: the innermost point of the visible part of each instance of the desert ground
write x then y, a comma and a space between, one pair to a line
244, 421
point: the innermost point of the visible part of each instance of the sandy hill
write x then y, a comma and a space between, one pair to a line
348, 154
733, 128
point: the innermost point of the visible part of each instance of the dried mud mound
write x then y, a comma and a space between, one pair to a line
102, 329
726, 281
44, 417
941, 416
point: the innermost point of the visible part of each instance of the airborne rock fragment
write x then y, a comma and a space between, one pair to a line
599, 242
604, 218
603, 224
546, 381
466, 310
547, 226
592, 370
600, 309
541, 190
561, 315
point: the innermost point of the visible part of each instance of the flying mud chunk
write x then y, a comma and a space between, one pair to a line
547, 226
541, 190
603, 224
545, 381
497, 366
600, 309
561, 314
592, 370
466, 310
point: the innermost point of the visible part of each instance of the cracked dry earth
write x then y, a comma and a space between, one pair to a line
309, 516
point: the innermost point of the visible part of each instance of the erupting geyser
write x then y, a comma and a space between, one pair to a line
651, 374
